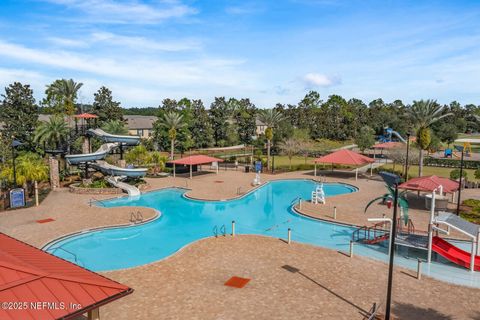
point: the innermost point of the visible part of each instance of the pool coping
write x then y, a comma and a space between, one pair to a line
50, 243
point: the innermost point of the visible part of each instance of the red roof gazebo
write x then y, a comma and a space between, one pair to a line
40, 285
430, 184
193, 161
344, 157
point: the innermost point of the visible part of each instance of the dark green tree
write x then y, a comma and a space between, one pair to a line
200, 127
365, 138
105, 108
19, 114
219, 115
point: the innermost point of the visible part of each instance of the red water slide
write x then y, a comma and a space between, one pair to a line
454, 254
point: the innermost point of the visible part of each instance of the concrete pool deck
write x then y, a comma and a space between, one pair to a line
189, 285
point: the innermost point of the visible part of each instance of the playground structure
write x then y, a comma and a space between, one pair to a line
94, 160
318, 195
387, 136
408, 237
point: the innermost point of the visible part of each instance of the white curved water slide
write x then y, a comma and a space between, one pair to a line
116, 173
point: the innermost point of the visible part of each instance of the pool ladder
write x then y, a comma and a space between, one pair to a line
222, 231
136, 217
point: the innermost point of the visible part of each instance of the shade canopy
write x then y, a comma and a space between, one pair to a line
196, 160
345, 157
30, 275
86, 116
387, 145
429, 184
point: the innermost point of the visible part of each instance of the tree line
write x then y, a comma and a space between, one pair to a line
187, 123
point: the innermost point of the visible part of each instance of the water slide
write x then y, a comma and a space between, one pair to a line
101, 153
117, 174
116, 181
112, 170
453, 253
396, 134
115, 138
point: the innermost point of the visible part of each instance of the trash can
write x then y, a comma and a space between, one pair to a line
247, 169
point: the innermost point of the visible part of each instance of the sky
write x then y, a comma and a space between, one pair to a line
268, 51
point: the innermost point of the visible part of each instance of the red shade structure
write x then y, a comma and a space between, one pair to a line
344, 157
86, 116
429, 184
194, 160
48, 287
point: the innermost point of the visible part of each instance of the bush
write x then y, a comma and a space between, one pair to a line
455, 174
477, 174
98, 184
451, 163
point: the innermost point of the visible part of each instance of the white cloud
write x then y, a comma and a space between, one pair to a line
132, 11
320, 80
66, 42
144, 44
194, 73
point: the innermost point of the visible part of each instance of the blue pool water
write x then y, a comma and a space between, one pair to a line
265, 211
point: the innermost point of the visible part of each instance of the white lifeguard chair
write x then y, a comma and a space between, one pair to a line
318, 195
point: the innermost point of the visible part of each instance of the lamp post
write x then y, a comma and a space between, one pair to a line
406, 159
15, 143
273, 161
391, 180
460, 182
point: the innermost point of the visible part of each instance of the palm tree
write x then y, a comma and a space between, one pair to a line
52, 133
115, 127
271, 118
402, 201
423, 114
30, 167
68, 90
172, 121
290, 147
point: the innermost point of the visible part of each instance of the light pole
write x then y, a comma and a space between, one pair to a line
460, 182
15, 143
392, 180
406, 160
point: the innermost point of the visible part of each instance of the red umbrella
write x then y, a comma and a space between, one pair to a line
430, 183
387, 145
86, 116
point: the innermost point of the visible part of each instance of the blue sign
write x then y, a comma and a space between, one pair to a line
258, 166
17, 198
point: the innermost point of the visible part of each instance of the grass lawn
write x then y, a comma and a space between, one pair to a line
428, 171
283, 161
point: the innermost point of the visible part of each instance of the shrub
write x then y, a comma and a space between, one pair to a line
455, 174
477, 174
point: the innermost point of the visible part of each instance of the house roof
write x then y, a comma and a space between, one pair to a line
30, 275
196, 159
135, 122
346, 157
430, 183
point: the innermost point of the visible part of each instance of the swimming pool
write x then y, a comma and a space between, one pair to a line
265, 211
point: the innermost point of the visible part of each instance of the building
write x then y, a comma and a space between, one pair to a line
260, 127
38, 285
140, 125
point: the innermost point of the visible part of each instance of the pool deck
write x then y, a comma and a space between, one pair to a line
189, 284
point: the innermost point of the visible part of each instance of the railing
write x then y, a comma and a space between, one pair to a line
370, 233
372, 313
92, 200
222, 231
69, 252
136, 217
410, 228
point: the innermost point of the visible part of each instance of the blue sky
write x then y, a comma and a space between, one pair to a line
269, 51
